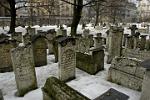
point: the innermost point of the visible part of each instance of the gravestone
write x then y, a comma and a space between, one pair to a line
99, 34
62, 32
26, 39
142, 42
39, 44
115, 43
133, 28
148, 44
31, 31
146, 82
51, 34
91, 40
98, 42
126, 72
67, 58
17, 36
129, 42
1, 95
86, 32
113, 94
54, 89
24, 69
125, 38
5, 56
78, 39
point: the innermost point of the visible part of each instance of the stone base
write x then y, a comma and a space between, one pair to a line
125, 79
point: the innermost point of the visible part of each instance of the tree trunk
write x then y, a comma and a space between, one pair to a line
97, 14
13, 16
76, 16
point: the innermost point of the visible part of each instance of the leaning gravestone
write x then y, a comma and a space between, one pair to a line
5, 56
23, 65
39, 50
67, 58
1, 95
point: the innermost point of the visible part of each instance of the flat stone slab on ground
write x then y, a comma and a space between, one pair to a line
112, 94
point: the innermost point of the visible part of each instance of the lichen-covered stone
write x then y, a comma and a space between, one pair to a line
5, 55
146, 87
91, 63
66, 58
127, 72
115, 43
24, 69
39, 51
58, 90
132, 53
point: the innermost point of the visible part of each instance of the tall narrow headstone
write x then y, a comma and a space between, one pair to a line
115, 45
24, 69
91, 40
67, 58
98, 42
142, 42
39, 50
125, 38
129, 42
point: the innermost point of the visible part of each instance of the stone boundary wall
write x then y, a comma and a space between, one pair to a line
132, 53
127, 72
55, 89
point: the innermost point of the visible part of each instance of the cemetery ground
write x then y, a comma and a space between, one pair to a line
91, 86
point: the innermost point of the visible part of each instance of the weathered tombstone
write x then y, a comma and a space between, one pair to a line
126, 72
51, 34
78, 39
67, 58
129, 42
24, 69
62, 32
55, 89
5, 56
142, 42
1, 95
146, 82
91, 40
148, 44
124, 38
133, 28
39, 44
113, 94
17, 36
31, 31
115, 43
98, 42
86, 32
26, 39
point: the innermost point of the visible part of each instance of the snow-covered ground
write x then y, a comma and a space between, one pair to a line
91, 86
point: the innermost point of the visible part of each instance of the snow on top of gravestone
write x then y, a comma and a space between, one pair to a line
20, 29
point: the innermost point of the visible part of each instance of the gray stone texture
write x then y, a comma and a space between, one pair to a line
17, 36
55, 89
39, 44
127, 72
115, 43
24, 69
91, 63
66, 58
5, 55
132, 53
142, 42
146, 87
